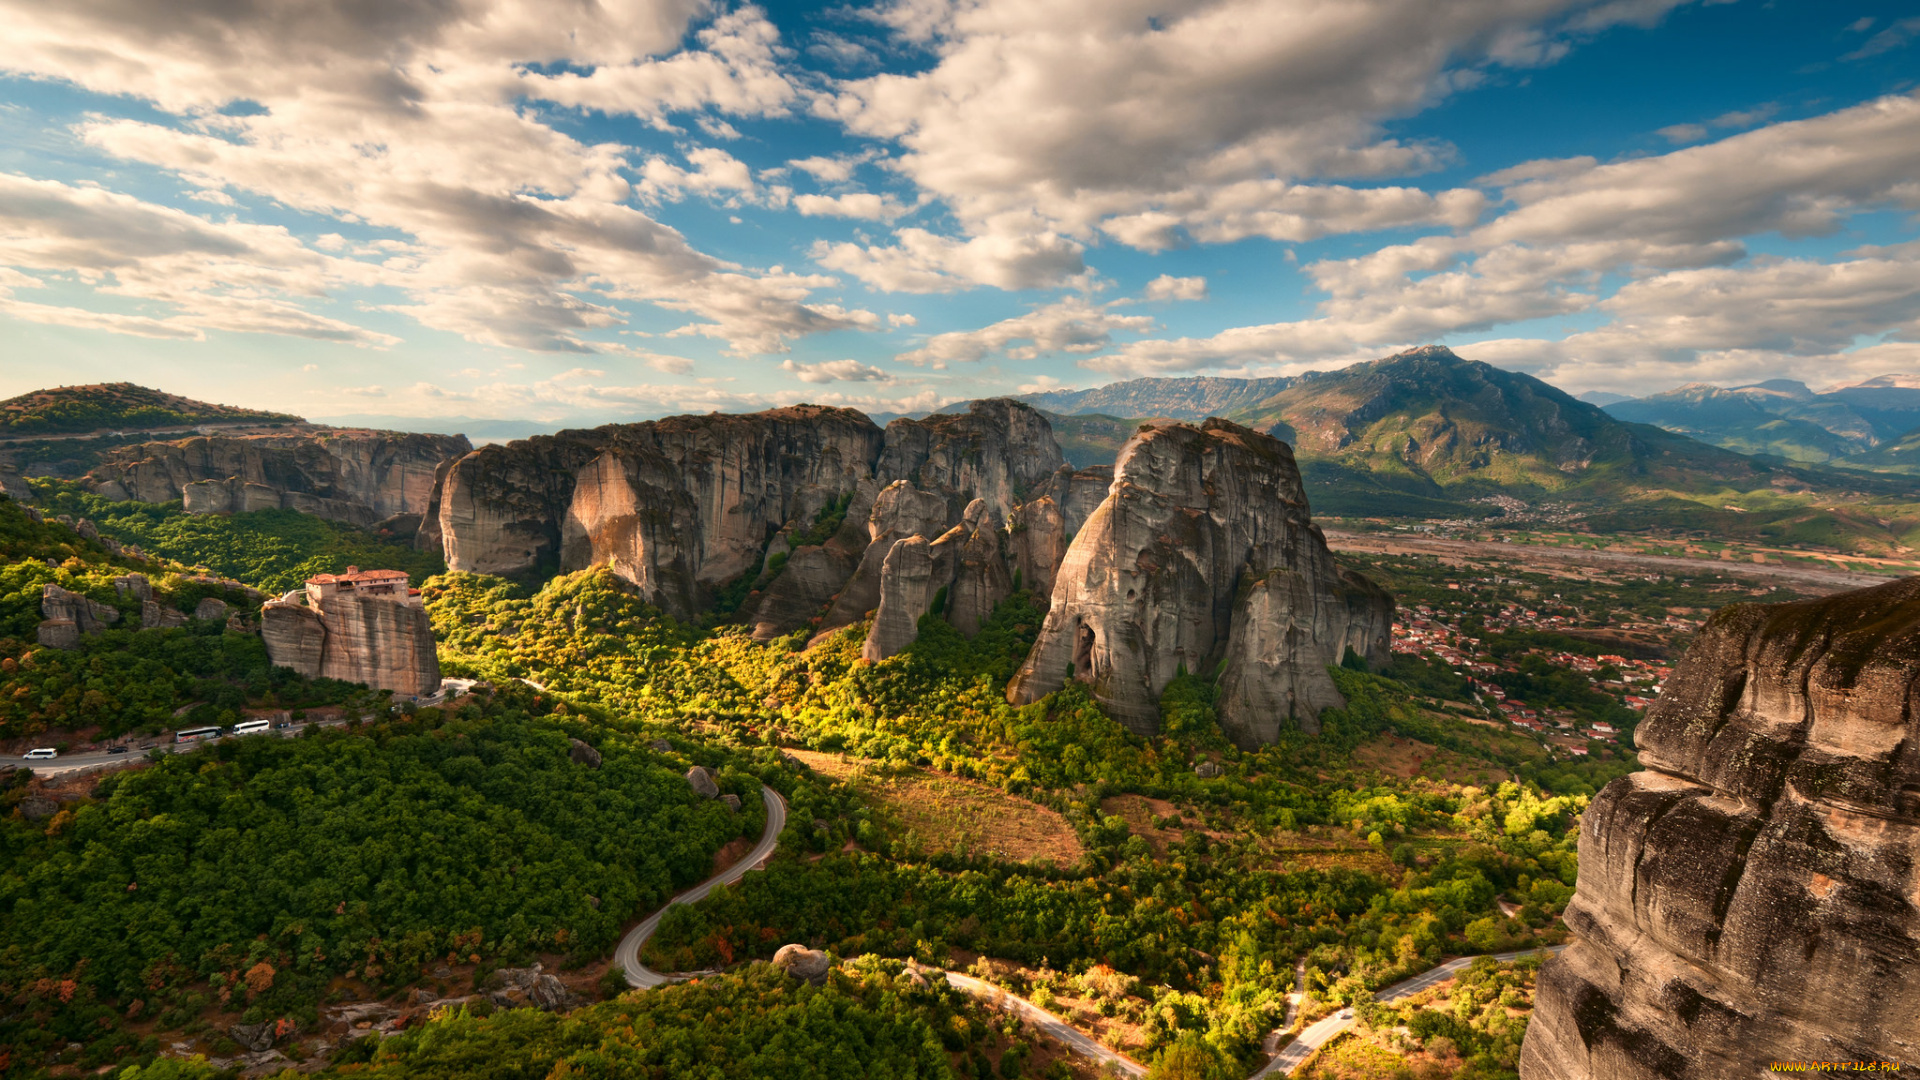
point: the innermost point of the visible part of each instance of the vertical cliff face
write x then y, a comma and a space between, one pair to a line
385, 643
1754, 895
1148, 585
683, 505
347, 475
1040, 528
998, 450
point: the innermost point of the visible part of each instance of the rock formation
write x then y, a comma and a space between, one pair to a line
1753, 896
68, 615
809, 965
1153, 583
385, 642
1040, 529
998, 450
362, 477
583, 753
682, 506
700, 779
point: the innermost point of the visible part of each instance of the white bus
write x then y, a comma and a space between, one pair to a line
252, 727
199, 734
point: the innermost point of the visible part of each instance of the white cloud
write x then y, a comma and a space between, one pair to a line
206, 276
1212, 117
1673, 224
1072, 325
408, 118
1168, 287
923, 262
857, 204
836, 371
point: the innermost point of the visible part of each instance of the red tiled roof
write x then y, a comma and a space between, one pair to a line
357, 576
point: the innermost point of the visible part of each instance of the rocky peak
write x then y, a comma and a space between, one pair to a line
998, 450
1148, 586
1754, 894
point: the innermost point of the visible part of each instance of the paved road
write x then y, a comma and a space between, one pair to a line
627, 955
1312, 1039
1294, 1001
67, 763
1803, 575
1047, 1022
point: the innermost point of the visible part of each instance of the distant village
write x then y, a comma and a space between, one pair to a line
1422, 631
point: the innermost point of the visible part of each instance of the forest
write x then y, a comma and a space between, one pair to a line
247, 876
272, 550
249, 881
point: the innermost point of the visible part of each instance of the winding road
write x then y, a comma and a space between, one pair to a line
1321, 1033
1289, 1060
627, 954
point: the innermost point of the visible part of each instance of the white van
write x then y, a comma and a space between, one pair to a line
42, 753
252, 727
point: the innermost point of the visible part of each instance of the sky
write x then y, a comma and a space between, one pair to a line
576, 211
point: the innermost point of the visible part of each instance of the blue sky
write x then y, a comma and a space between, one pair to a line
565, 212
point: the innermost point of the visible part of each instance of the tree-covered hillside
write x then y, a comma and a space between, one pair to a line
274, 550
71, 410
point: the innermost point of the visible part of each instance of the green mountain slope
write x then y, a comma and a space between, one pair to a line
72, 410
1427, 433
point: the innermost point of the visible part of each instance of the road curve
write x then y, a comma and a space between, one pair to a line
627, 955
1321, 1033
1045, 1021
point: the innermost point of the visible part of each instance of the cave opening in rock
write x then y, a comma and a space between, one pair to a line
1083, 653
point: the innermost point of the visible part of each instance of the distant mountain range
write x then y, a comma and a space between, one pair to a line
1784, 418
1428, 434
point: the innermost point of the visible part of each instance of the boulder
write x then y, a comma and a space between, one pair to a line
583, 754
660, 746
134, 587
1751, 896
808, 965
157, 616
38, 807
253, 1037
87, 530
210, 607
732, 801
514, 988
1148, 586
68, 615
700, 779
1207, 770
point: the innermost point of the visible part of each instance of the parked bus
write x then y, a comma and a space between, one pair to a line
199, 734
252, 727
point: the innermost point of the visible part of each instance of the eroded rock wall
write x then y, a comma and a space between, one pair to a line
356, 476
1147, 586
682, 506
1753, 896
386, 644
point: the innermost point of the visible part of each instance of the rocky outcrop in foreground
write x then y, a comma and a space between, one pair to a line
362, 477
1201, 552
383, 642
1753, 896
